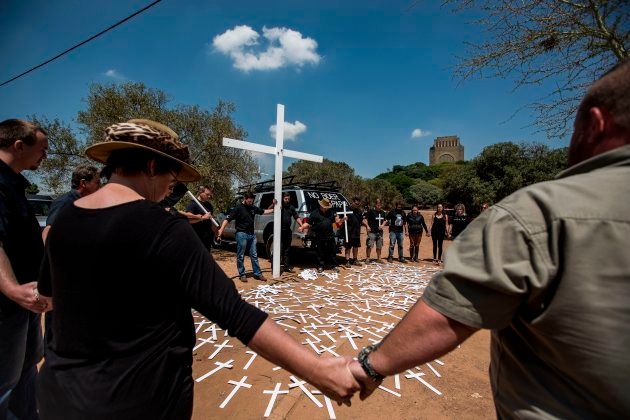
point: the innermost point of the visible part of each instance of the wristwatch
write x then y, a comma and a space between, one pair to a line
365, 363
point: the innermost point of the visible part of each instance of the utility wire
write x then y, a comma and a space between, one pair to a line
82, 43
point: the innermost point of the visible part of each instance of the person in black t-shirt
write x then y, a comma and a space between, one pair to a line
200, 219
289, 213
397, 222
321, 223
459, 221
244, 216
354, 221
124, 275
374, 221
23, 146
85, 180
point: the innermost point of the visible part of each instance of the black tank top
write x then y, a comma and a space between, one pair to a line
438, 229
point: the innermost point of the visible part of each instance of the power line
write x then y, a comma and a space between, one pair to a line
82, 43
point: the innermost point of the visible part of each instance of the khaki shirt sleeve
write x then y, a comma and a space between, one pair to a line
490, 272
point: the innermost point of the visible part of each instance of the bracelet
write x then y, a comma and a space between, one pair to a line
365, 363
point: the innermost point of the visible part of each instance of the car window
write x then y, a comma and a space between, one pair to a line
266, 200
40, 207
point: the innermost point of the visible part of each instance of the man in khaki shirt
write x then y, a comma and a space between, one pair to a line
548, 271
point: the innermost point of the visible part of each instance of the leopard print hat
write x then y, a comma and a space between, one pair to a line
145, 134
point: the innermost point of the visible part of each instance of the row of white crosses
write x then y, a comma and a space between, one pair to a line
280, 152
326, 315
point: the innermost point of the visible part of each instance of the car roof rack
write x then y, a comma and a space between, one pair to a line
288, 182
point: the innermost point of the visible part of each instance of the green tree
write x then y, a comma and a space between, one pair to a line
349, 183
462, 185
200, 129
426, 194
65, 152
562, 44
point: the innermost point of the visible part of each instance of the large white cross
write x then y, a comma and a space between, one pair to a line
279, 151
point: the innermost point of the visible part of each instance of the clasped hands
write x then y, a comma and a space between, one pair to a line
28, 297
340, 378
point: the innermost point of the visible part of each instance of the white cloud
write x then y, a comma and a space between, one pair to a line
291, 131
284, 47
417, 133
114, 74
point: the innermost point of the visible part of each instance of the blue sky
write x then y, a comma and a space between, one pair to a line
359, 77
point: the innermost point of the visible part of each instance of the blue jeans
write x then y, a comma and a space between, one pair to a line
393, 238
21, 349
246, 242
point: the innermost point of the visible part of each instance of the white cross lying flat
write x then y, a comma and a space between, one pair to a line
251, 359
274, 394
203, 341
297, 383
414, 375
226, 365
237, 385
219, 348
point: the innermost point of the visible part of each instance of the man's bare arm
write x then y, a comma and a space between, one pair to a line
25, 295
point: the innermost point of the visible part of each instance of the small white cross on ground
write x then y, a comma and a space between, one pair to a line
226, 365
327, 334
389, 390
203, 341
201, 324
414, 375
274, 394
329, 350
237, 385
251, 359
219, 348
300, 384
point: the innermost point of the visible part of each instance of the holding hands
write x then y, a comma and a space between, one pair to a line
27, 296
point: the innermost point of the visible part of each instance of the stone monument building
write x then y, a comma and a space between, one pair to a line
446, 149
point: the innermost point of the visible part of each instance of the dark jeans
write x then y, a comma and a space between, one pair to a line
285, 247
393, 238
246, 242
21, 348
437, 247
326, 251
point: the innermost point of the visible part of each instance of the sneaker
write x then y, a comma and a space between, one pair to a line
335, 269
348, 264
357, 262
243, 278
390, 260
320, 269
261, 278
402, 260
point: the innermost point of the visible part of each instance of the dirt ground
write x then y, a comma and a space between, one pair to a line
463, 379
